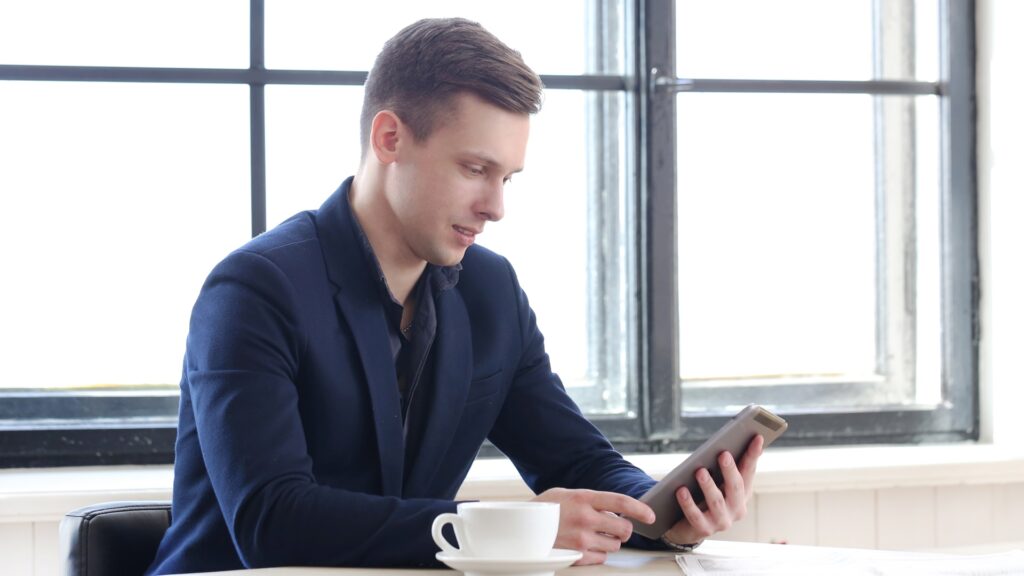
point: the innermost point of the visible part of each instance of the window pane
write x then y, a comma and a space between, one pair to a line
779, 252
776, 212
325, 34
117, 201
183, 33
312, 145
548, 208
807, 39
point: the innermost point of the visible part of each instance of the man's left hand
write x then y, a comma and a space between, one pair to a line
723, 506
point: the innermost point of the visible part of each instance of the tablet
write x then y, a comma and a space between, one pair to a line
733, 437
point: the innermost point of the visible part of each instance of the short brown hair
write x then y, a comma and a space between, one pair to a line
425, 65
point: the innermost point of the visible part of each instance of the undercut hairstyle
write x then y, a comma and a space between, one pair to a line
422, 68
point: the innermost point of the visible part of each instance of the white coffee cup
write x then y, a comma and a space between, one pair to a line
500, 529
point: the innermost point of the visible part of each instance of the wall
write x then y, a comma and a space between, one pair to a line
966, 497
960, 498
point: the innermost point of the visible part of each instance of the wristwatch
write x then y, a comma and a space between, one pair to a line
680, 547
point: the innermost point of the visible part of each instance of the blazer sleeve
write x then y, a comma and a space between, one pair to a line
549, 440
242, 373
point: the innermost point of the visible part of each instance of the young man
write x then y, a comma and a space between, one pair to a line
343, 369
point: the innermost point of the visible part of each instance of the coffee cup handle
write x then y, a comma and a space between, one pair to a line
440, 540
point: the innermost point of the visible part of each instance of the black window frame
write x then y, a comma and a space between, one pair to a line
137, 426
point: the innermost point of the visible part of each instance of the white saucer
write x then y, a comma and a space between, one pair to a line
557, 560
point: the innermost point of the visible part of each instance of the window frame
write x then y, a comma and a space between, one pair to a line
118, 426
955, 419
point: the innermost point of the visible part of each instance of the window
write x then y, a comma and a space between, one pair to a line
738, 217
820, 213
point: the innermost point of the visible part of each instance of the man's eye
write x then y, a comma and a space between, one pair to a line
475, 170
507, 179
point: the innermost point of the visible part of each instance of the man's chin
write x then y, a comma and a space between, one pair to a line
448, 259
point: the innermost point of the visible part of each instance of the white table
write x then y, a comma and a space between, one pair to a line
629, 561
622, 562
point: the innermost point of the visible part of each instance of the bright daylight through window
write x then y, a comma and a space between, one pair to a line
724, 202
808, 223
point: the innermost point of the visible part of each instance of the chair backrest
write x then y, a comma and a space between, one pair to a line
113, 538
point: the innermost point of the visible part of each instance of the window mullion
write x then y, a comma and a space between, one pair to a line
257, 119
660, 404
959, 224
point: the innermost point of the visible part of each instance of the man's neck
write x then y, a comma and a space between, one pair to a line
401, 268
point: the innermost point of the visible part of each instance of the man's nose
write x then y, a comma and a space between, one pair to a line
492, 205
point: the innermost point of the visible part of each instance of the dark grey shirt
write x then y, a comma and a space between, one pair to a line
411, 350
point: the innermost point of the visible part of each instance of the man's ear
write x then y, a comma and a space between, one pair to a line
384, 136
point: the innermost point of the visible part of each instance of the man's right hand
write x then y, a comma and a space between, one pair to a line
595, 523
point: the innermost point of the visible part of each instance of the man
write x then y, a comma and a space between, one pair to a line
343, 369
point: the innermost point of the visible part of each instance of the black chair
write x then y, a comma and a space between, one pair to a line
113, 538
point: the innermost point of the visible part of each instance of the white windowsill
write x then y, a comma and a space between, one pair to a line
817, 469
44, 495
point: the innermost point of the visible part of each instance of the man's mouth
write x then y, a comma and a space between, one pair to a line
467, 231
466, 235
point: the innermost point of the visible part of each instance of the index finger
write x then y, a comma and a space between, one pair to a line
623, 505
748, 462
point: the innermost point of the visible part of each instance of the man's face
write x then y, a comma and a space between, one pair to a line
445, 189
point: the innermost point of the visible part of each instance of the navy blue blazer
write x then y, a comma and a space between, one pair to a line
290, 448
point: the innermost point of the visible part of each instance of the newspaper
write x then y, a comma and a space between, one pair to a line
836, 562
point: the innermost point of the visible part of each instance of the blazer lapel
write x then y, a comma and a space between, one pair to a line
453, 369
368, 326
360, 305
